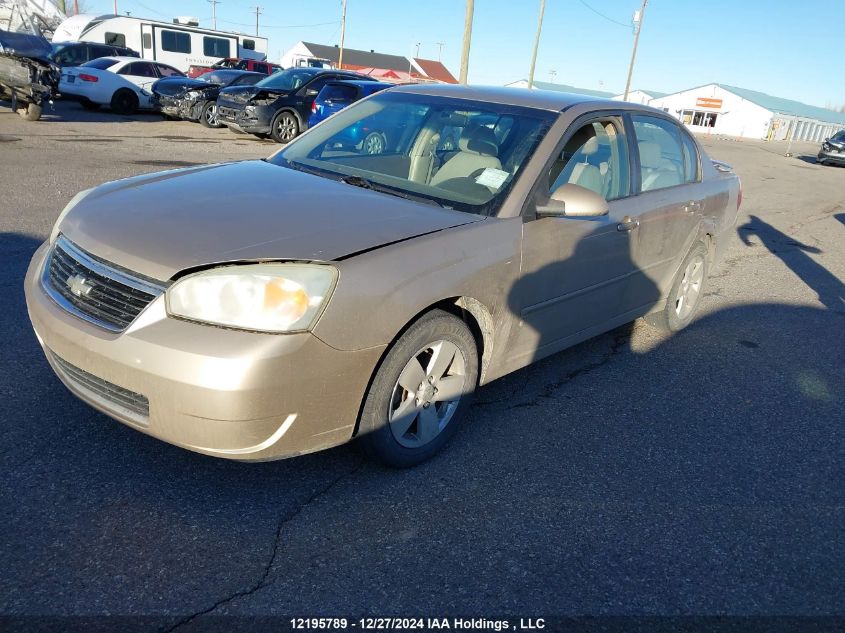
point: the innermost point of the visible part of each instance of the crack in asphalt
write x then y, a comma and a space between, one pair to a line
265, 575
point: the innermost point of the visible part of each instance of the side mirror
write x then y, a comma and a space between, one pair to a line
573, 201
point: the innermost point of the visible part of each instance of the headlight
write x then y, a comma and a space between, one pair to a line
68, 208
263, 297
826, 147
193, 94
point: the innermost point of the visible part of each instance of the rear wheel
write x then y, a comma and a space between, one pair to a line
208, 116
124, 101
374, 143
685, 295
420, 392
30, 112
285, 127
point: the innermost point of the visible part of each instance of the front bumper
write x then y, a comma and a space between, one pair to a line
832, 156
227, 393
245, 117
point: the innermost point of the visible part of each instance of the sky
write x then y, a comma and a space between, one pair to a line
780, 47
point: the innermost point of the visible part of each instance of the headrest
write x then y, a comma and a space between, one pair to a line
579, 140
591, 146
649, 154
479, 140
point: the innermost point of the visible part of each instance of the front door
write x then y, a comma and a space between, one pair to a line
576, 271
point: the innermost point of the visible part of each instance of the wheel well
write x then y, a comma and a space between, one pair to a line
471, 311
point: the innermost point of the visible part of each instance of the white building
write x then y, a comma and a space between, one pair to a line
640, 96
720, 109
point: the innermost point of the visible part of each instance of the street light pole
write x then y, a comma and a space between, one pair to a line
638, 24
342, 34
467, 38
536, 45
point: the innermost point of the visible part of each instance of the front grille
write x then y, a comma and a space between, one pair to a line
228, 113
95, 290
113, 397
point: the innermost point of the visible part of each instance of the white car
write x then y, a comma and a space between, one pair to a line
120, 82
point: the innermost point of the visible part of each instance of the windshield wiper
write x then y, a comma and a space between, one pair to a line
359, 181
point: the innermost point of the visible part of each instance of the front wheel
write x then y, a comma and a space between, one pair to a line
420, 392
31, 112
285, 127
208, 116
685, 295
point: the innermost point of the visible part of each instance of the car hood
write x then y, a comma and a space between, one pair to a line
171, 86
242, 94
161, 224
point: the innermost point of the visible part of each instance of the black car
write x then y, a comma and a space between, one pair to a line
279, 105
196, 99
833, 150
77, 53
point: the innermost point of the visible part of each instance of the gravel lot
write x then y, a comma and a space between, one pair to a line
700, 474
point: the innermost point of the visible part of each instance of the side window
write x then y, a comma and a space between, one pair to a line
167, 71
690, 159
215, 47
595, 157
72, 56
138, 69
339, 93
101, 51
176, 41
116, 39
316, 85
248, 45
147, 40
661, 155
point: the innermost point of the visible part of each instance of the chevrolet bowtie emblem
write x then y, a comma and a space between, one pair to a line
78, 285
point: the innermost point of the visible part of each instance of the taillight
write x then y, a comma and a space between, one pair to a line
313, 107
85, 77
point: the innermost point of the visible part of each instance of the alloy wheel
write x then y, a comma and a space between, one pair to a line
286, 127
211, 115
689, 292
427, 394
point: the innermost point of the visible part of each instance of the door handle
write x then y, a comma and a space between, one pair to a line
628, 224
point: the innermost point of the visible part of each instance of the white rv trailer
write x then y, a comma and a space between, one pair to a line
180, 43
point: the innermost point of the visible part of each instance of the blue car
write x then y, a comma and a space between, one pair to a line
335, 96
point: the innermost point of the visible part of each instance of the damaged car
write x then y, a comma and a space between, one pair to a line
28, 78
196, 99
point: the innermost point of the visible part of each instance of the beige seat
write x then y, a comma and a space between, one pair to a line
657, 171
478, 150
578, 170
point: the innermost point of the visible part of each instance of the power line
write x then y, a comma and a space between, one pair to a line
602, 15
287, 26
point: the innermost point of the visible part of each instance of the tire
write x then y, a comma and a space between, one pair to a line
124, 101
374, 143
685, 295
285, 127
408, 382
208, 115
90, 105
30, 112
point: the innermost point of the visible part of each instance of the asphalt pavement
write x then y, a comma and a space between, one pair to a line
632, 475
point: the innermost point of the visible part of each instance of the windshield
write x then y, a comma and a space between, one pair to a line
458, 153
286, 80
838, 137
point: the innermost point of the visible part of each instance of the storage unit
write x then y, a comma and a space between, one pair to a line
721, 109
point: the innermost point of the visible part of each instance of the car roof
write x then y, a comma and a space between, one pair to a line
539, 99
364, 83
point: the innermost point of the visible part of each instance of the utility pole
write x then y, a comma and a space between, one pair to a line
342, 34
536, 45
115, 7
440, 46
467, 38
76, 7
213, 4
638, 24
418, 50
258, 12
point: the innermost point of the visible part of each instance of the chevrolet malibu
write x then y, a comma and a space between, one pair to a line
264, 309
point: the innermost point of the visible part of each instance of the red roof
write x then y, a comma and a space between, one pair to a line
436, 70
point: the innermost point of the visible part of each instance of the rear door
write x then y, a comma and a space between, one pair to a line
141, 73
670, 198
